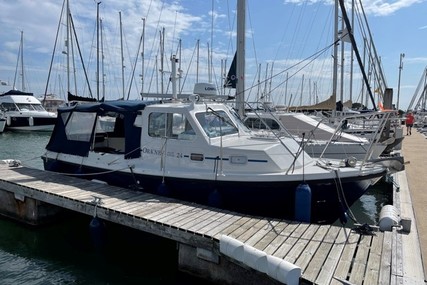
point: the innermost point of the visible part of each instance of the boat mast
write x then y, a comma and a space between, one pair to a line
162, 54
335, 57
97, 50
22, 61
68, 47
102, 61
121, 55
142, 56
240, 70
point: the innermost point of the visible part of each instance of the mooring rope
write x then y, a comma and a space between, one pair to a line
341, 196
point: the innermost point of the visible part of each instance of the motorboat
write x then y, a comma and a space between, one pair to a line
197, 149
24, 112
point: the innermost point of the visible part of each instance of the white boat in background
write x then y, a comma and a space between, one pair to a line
24, 112
51, 103
318, 139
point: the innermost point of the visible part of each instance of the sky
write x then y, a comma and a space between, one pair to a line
289, 41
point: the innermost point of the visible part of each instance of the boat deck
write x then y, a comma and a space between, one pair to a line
326, 254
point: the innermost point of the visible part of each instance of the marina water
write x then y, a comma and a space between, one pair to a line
63, 253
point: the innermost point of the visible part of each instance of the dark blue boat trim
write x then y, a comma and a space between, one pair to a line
267, 199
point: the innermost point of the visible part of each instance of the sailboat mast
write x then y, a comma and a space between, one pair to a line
22, 61
142, 56
68, 47
197, 61
240, 70
97, 50
102, 61
335, 64
121, 55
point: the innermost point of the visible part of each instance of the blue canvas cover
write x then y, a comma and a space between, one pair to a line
127, 109
16, 92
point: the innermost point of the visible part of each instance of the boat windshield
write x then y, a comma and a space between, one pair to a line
216, 123
30, 107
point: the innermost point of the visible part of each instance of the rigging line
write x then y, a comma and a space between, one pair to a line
134, 68
54, 49
230, 29
188, 67
370, 36
81, 56
153, 49
359, 60
285, 31
252, 34
313, 56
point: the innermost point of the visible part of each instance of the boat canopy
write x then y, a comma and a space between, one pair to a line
16, 92
77, 126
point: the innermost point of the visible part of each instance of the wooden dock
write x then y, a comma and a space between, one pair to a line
326, 254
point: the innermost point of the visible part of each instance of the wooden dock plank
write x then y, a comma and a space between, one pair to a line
300, 246
396, 256
385, 268
253, 231
311, 248
280, 239
146, 207
191, 218
173, 209
116, 200
332, 258
373, 266
345, 263
261, 233
228, 220
291, 240
171, 215
239, 223
275, 230
138, 199
205, 222
316, 252
360, 260
245, 227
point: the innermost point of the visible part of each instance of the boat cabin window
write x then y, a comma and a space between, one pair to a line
262, 124
9, 106
216, 123
79, 126
170, 125
25, 107
110, 133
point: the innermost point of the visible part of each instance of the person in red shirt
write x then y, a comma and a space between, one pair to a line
409, 123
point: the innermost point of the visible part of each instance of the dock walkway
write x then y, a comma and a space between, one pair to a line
414, 151
326, 254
